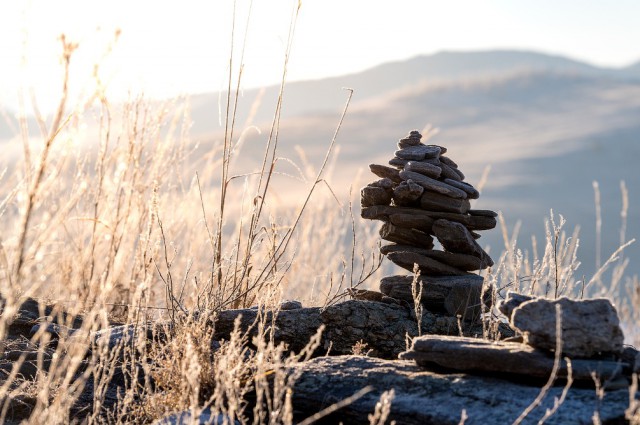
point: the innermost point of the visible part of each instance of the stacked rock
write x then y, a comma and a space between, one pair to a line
423, 195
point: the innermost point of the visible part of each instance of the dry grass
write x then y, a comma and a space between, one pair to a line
134, 222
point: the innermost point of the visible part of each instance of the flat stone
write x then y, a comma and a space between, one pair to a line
455, 237
433, 185
429, 398
400, 235
384, 183
422, 223
471, 191
456, 295
385, 172
426, 265
434, 201
398, 162
423, 168
382, 212
460, 261
443, 150
386, 249
448, 161
450, 173
371, 195
483, 213
478, 355
589, 327
418, 152
407, 193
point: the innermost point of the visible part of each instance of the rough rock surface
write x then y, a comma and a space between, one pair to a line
423, 397
477, 355
589, 327
382, 326
456, 295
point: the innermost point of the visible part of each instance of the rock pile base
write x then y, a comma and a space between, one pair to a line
591, 339
423, 196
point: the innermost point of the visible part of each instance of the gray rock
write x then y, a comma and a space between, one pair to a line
433, 201
187, 418
429, 398
511, 301
443, 150
483, 213
433, 185
371, 195
455, 237
418, 152
471, 191
451, 173
480, 223
386, 249
422, 223
456, 295
290, 305
478, 355
459, 261
406, 142
382, 212
589, 327
412, 139
400, 235
407, 193
448, 161
384, 183
429, 266
398, 162
423, 168
385, 172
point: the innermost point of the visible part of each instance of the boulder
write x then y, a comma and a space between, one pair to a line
429, 398
589, 327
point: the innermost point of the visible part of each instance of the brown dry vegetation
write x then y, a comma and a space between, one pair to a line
144, 226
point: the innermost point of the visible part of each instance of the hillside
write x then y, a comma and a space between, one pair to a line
548, 127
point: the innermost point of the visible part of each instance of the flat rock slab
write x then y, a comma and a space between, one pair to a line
455, 295
405, 236
426, 265
455, 237
433, 201
434, 185
428, 398
478, 355
471, 222
385, 172
418, 152
410, 221
589, 327
423, 168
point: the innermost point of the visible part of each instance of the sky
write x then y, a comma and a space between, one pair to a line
167, 48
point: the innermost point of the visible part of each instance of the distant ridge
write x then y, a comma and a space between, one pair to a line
325, 95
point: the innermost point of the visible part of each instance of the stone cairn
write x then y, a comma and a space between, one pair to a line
423, 195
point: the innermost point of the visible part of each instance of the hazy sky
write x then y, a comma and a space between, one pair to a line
171, 47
